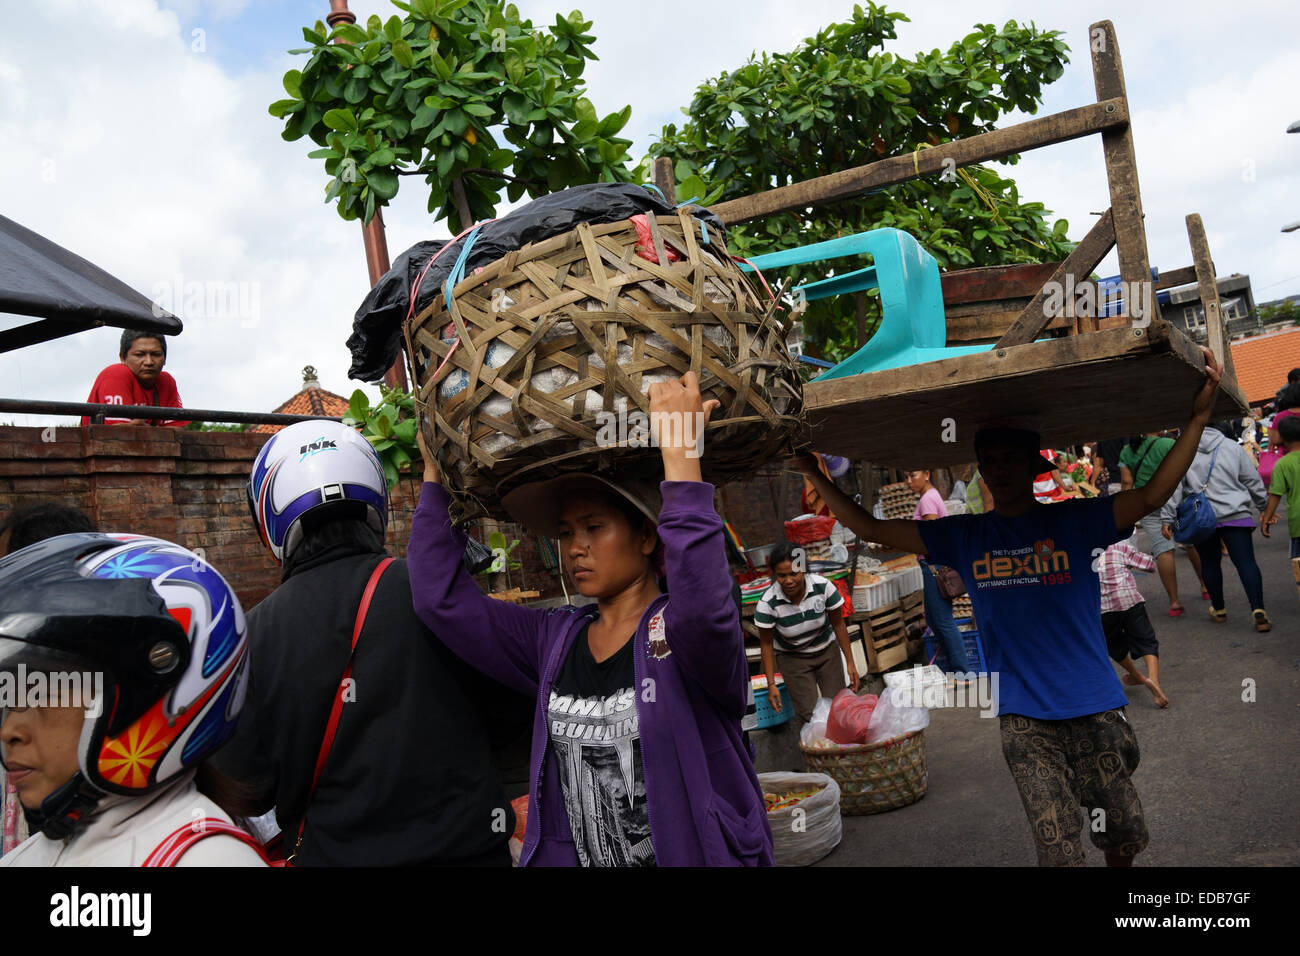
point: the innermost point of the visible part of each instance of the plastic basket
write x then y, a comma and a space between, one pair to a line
974, 649
767, 717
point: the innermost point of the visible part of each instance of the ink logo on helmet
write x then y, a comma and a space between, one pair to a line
200, 711
658, 635
314, 447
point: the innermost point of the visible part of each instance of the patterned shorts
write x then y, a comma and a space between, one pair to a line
1075, 773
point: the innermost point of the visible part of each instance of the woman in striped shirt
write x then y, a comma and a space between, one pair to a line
801, 615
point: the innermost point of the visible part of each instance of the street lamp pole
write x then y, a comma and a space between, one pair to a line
372, 232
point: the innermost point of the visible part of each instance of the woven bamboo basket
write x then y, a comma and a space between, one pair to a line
876, 777
543, 355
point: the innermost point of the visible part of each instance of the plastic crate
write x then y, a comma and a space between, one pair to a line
974, 649
767, 717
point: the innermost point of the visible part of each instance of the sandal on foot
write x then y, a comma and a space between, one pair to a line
1218, 616
1262, 623
1176, 611
1205, 595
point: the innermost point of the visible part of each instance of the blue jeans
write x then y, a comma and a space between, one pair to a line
1241, 551
938, 614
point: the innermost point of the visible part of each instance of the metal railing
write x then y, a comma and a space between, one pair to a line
96, 412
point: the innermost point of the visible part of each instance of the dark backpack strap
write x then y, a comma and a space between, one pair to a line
336, 709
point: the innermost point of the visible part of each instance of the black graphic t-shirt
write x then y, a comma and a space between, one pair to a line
593, 726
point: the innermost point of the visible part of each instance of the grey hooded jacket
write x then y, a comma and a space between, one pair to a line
1234, 485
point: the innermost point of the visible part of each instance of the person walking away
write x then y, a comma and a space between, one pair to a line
1233, 486
638, 756
409, 777
1139, 460
1286, 485
938, 609
113, 769
1124, 620
1028, 568
801, 614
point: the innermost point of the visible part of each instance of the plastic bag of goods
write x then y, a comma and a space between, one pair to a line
803, 810
850, 718
813, 733
809, 529
895, 716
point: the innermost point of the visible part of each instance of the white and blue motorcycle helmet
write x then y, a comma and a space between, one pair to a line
308, 467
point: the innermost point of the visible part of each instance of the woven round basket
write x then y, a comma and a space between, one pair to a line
540, 363
877, 777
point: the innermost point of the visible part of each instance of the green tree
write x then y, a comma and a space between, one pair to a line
838, 101
1280, 311
428, 94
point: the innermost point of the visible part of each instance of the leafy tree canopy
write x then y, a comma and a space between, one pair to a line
433, 92
838, 101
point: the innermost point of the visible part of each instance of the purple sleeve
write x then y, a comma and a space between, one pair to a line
498, 638
701, 623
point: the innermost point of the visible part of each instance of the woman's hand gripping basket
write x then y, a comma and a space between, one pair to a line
539, 363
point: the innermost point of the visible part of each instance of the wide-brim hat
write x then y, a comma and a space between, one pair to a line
537, 504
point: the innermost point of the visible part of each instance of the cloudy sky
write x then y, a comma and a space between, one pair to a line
135, 133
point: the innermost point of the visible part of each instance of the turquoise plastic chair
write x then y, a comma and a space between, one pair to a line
912, 327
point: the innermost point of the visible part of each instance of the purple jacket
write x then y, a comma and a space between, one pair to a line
704, 801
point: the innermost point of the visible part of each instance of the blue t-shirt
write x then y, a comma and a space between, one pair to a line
1037, 601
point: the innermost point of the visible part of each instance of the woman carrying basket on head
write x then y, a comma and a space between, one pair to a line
637, 755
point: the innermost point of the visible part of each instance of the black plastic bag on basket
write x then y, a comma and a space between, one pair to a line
377, 327
477, 557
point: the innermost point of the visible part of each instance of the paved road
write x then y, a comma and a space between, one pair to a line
1218, 777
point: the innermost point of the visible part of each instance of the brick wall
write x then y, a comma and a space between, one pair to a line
186, 487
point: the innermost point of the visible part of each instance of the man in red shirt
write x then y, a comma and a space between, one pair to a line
138, 379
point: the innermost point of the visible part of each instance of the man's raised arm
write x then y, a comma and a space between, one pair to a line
901, 533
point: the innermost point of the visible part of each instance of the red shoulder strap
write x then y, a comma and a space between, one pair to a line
336, 709
174, 845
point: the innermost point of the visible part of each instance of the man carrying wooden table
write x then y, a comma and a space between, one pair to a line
1031, 570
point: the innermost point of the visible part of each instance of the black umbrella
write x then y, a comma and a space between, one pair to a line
70, 294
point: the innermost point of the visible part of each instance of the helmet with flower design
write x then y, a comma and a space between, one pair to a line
154, 632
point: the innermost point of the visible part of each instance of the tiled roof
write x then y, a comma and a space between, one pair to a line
314, 401
1262, 362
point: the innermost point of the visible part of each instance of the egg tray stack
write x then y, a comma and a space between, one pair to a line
898, 500
539, 361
